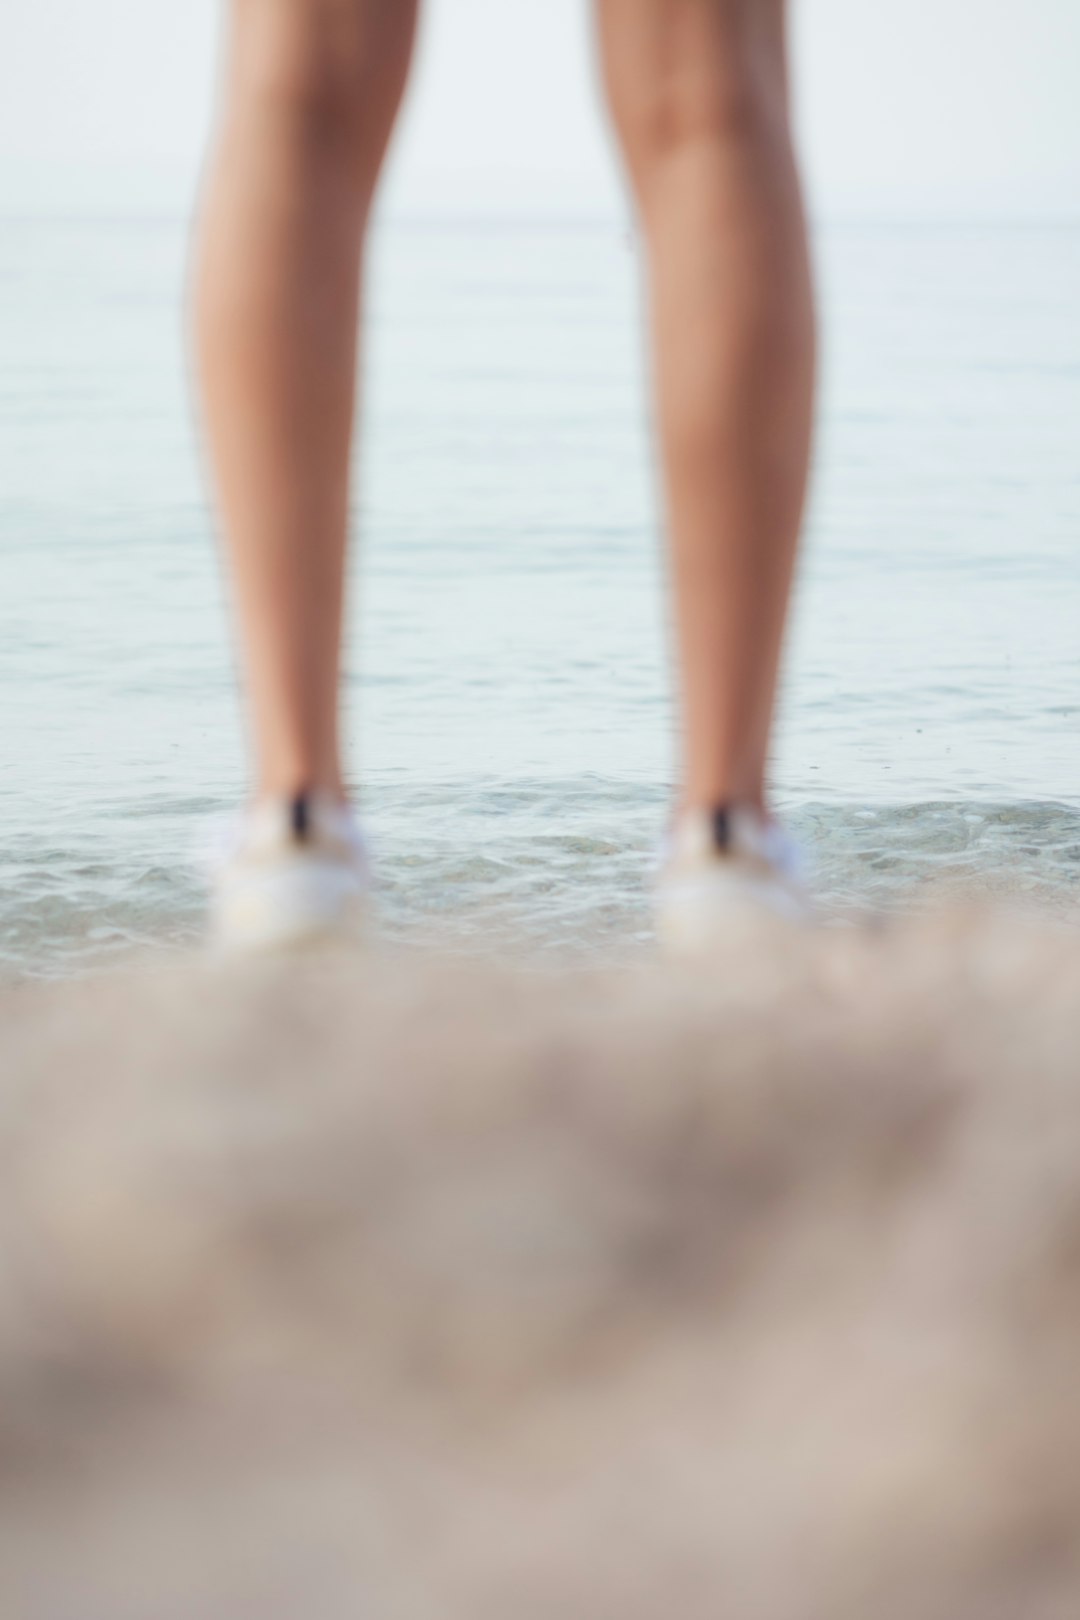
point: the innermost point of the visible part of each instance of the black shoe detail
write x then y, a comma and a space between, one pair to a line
300, 815
720, 822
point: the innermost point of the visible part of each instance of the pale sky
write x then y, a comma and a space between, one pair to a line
918, 108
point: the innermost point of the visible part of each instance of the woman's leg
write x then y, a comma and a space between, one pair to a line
312, 88
699, 94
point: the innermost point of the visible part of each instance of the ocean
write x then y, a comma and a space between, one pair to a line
509, 709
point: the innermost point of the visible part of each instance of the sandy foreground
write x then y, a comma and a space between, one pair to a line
397, 1288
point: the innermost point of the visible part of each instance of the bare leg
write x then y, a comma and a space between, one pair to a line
312, 89
698, 91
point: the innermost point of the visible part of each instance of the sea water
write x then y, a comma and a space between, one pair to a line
509, 708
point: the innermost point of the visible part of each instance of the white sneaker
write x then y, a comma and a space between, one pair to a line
294, 871
721, 869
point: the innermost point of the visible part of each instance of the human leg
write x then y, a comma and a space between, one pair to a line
312, 88
699, 95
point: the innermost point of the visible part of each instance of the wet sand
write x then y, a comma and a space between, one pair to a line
396, 1287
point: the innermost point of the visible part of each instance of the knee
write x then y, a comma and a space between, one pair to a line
710, 73
331, 70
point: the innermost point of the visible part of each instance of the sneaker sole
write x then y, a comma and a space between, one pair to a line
302, 903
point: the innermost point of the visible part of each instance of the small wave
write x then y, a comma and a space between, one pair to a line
561, 867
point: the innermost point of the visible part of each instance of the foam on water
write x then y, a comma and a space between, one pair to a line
557, 867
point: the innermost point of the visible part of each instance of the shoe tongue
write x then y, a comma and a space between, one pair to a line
725, 830
735, 830
308, 818
272, 825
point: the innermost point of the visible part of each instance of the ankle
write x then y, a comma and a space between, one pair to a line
695, 801
292, 784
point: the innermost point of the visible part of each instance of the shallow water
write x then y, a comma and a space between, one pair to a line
509, 707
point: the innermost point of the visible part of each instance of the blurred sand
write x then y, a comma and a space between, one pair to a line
394, 1288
